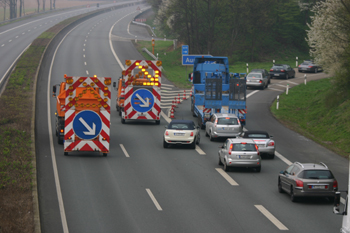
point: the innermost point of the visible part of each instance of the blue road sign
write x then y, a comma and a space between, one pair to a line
185, 50
87, 124
142, 100
189, 59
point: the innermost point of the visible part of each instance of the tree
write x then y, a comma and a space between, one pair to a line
4, 4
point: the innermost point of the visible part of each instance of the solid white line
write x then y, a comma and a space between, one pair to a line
280, 85
273, 89
84, 62
83, 55
200, 151
272, 218
154, 200
163, 84
124, 150
284, 159
165, 117
87, 72
227, 177
252, 93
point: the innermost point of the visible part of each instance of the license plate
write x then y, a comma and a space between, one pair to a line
304, 68
244, 156
261, 145
318, 187
179, 134
277, 74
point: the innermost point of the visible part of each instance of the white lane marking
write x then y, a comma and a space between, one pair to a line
200, 151
83, 55
129, 30
16, 36
2, 45
10, 40
124, 150
84, 62
284, 159
163, 84
281, 85
87, 72
272, 218
292, 82
84, 45
53, 155
227, 177
155, 202
83, 50
252, 93
274, 89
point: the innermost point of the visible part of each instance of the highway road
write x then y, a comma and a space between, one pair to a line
142, 187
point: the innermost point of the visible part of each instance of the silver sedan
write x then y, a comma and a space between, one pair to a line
257, 80
223, 125
239, 152
265, 142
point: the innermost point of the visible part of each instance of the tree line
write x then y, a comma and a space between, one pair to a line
18, 10
247, 30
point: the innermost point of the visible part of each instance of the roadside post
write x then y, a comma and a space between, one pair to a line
305, 79
164, 37
135, 39
287, 88
278, 100
247, 68
296, 62
152, 46
273, 61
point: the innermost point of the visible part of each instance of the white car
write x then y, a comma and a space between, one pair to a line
181, 132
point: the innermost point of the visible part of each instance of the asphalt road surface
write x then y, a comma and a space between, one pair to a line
142, 187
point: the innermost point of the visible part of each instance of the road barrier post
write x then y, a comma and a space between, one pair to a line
273, 61
135, 39
164, 37
247, 68
278, 102
296, 62
287, 88
305, 79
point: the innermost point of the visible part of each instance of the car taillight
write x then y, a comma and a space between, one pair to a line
335, 184
260, 81
299, 183
191, 134
299, 65
310, 66
271, 69
166, 133
229, 151
283, 71
271, 144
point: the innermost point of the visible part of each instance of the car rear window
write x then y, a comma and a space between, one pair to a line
243, 147
256, 135
277, 67
181, 126
254, 76
227, 121
316, 174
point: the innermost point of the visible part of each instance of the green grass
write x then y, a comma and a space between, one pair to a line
305, 110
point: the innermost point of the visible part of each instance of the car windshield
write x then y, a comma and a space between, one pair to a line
243, 147
254, 76
317, 174
256, 135
227, 121
183, 126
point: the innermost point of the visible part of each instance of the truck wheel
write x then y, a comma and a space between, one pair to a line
157, 122
123, 121
192, 110
65, 153
60, 140
120, 113
104, 154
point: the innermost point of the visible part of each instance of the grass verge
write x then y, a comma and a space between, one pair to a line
305, 110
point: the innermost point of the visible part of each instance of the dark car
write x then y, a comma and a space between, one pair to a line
263, 71
309, 66
282, 70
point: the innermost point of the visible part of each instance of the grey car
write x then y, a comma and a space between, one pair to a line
307, 180
265, 142
257, 80
262, 71
222, 125
309, 66
239, 152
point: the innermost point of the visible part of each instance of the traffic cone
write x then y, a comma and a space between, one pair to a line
184, 98
172, 113
175, 102
178, 99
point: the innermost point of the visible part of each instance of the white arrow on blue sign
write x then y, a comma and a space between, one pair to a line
185, 50
87, 124
142, 100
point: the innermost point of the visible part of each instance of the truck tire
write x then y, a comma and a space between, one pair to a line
60, 140
200, 122
122, 120
157, 122
192, 110
65, 153
104, 154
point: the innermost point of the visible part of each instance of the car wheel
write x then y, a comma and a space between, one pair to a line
287, 76
263, 87
220, 163
316, 70
292, 196
280, 190
258, 169
199, 139
165, 144
225, 167
206, 134
211, 137
272, 156
267, 85
193, 144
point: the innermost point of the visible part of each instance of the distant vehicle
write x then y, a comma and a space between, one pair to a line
222, 125
257, 80
263, 71
240, 152
98, 5
264, 141
182, 132
307, 180
282, 70
309, 66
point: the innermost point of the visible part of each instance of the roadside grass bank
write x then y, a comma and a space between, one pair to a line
17, 150
178, 74
315, 111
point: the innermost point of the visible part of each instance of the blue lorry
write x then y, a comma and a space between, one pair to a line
216, 90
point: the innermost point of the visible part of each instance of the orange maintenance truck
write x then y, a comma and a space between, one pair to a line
83, 114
